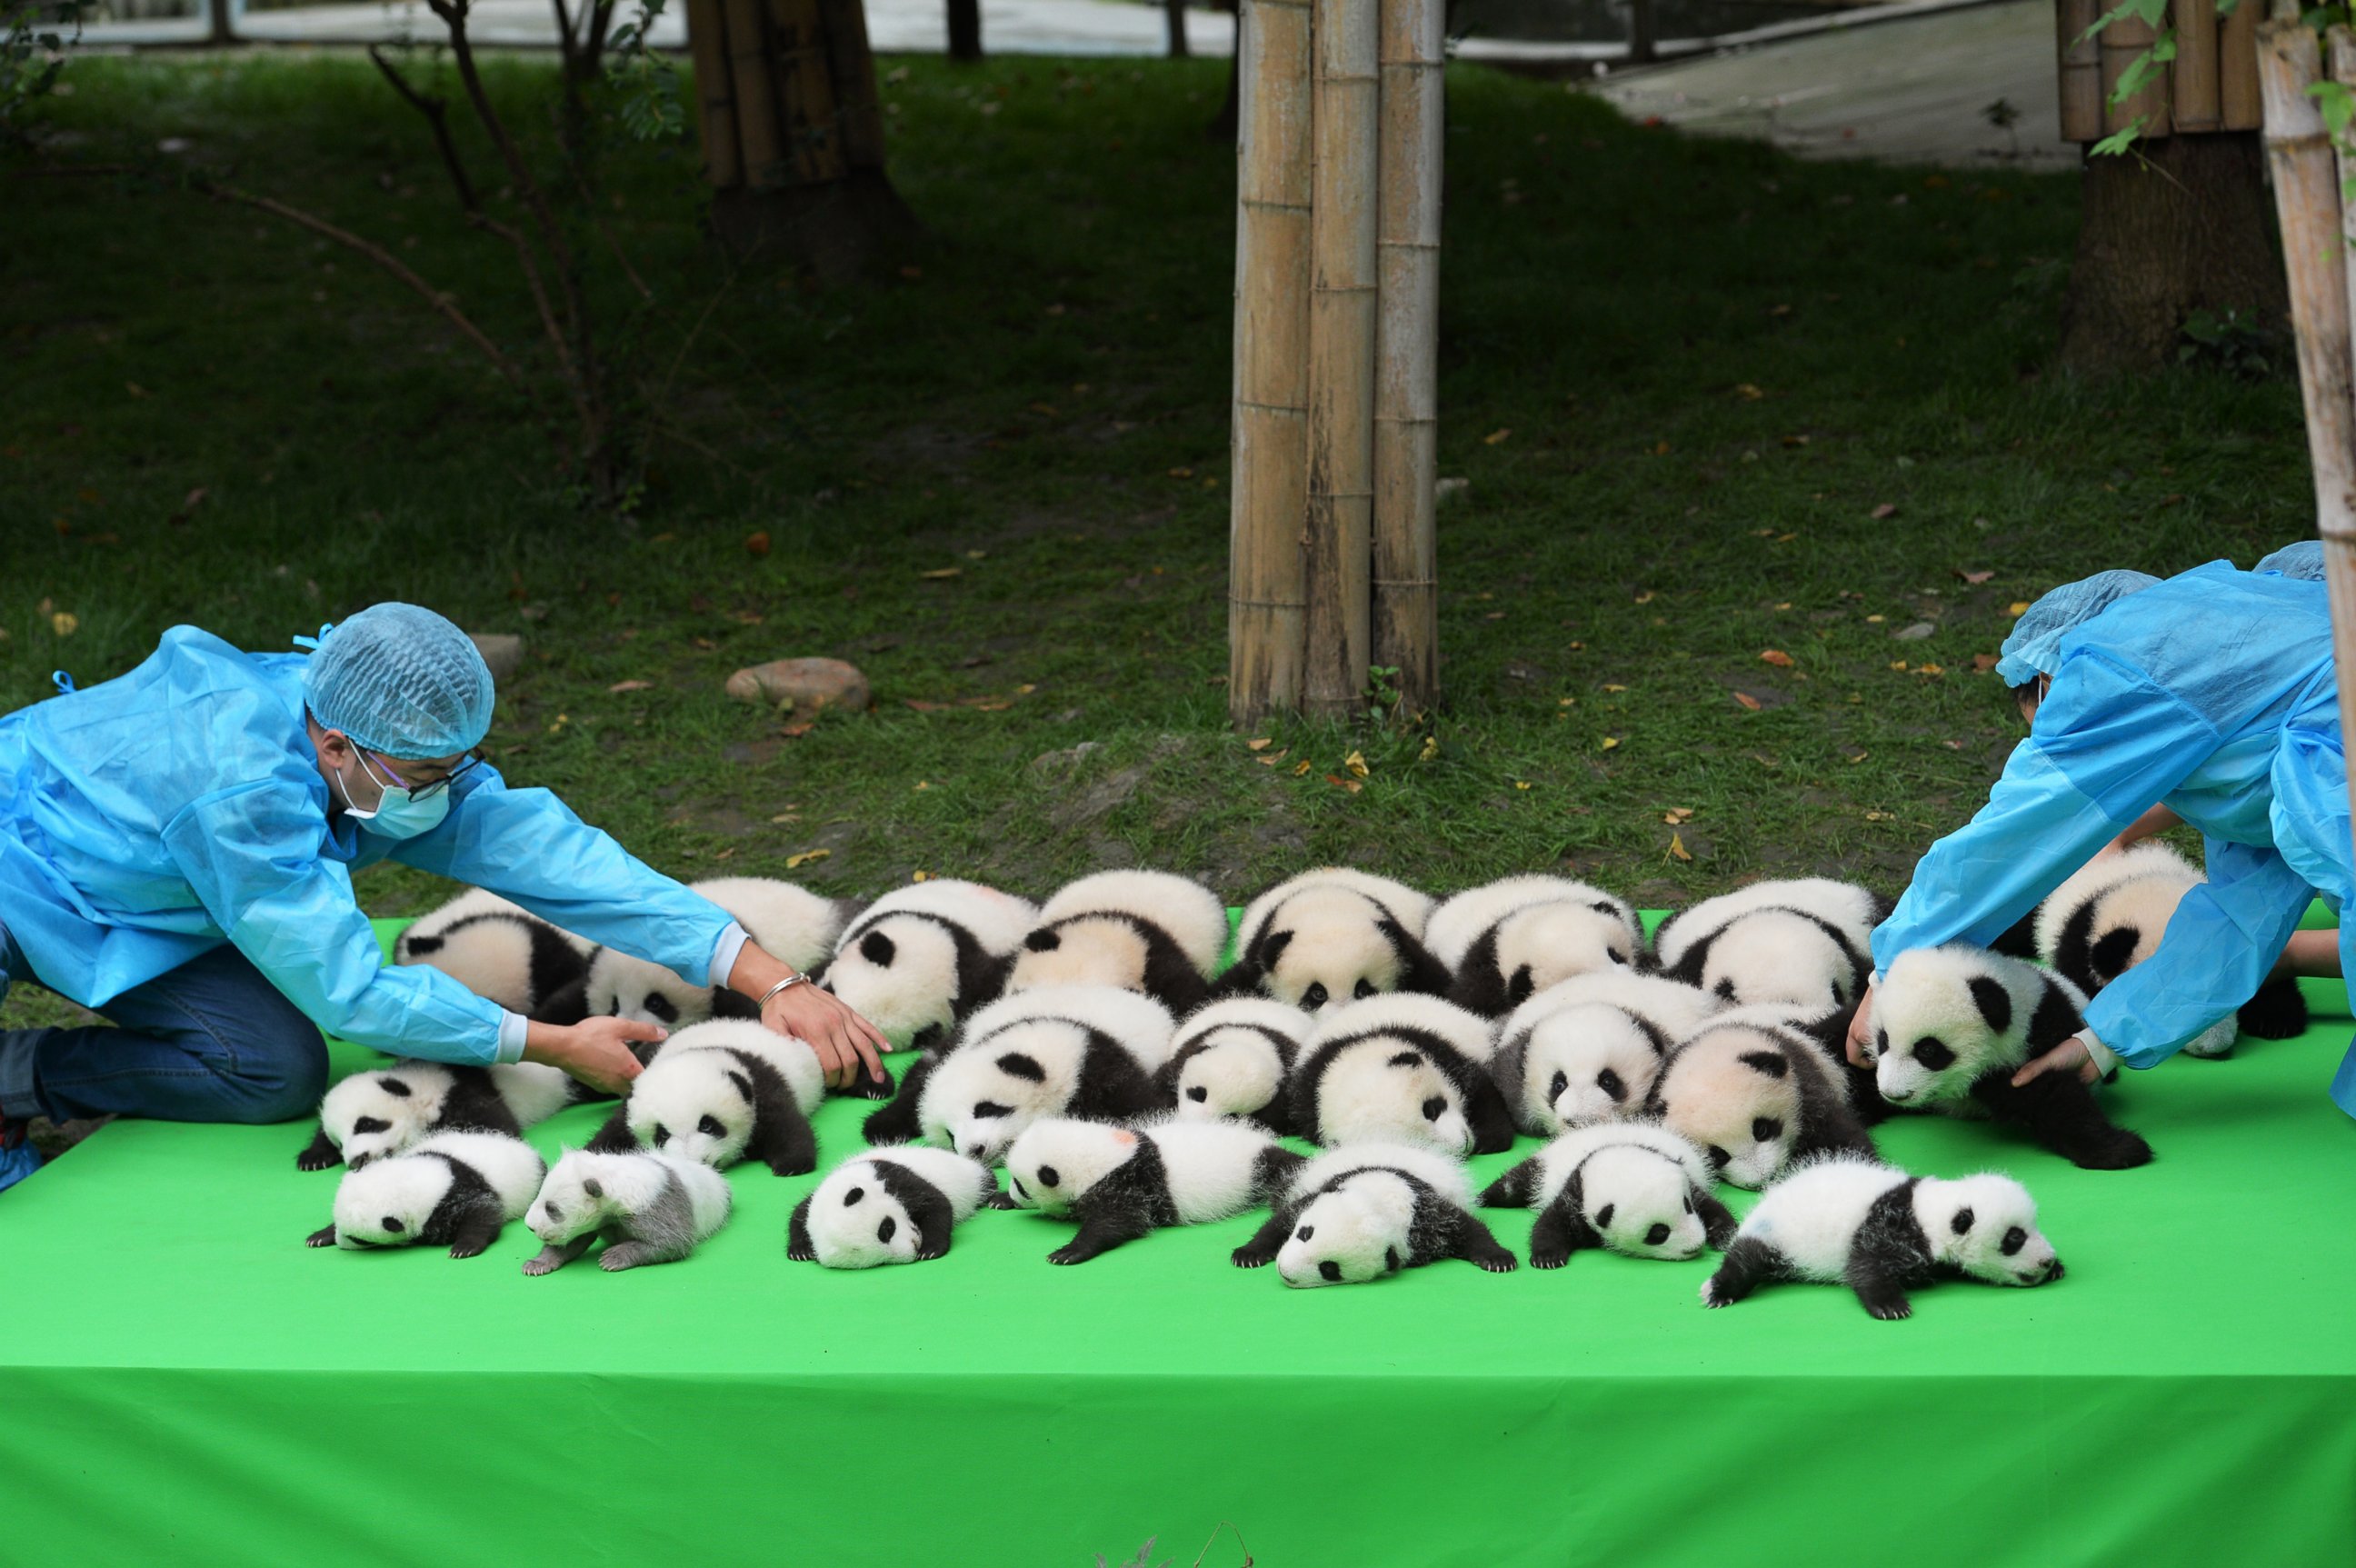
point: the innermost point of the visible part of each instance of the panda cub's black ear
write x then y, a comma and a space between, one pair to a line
877, 949
1771, 1063
1961, 1223
1015, 1064
1044, 939
394, 1086
1994, 1002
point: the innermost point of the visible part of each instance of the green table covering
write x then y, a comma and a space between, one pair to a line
182, 1381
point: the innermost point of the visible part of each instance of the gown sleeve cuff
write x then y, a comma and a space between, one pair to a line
514, 1027
2106, 1060
724, 956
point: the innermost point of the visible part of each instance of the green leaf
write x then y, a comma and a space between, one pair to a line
2119, 141
2151, 12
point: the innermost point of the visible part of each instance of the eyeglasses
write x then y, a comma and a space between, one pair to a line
432, 786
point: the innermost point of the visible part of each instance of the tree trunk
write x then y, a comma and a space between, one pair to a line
1174, 14
2182, 227
218, 27
1223, 125
793, 132
1640, 31
965, 30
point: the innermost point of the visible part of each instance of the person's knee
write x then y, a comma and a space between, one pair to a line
277, 1076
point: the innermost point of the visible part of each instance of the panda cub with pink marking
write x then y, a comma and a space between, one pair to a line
920, 960
1234, 1057
1803, 942
1858, 1222
1754, 1095
1632, 1187
1507, 940
1370, 1211
1122, 1183
1141, 930
1402, 1069
1589, 1049
895, 1205
1330, 937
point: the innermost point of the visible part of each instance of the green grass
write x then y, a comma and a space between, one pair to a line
1680, 376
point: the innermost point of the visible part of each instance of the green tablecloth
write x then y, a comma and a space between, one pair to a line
184, 1382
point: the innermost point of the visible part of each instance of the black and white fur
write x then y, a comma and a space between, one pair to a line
1507, 940
1804, 941
648, 1208
382, 1111
452, 1189
2109, 916
1234, 1058
787, 922
503, 952
1121, 1183
1063, 1050
1633, 1186
1754, 1097
1333, 936
1880, 1231
1368, 1212
1142, 931
895, 1205
921, 959
725, 1091
1951, 1025
1825, 1028
1401, 1068
1589, 1049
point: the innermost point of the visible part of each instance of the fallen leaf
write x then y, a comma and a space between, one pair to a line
1884, 511
1677, 847
1777, 656
1356, 763
1351, 785
1676, 815
1566, 702
1780, 310
65, 623
1182, 473
1898, 665
1494, 437
1646, 598
1795, 441
745, 618
187, 508
619, 686
977, 555
1953, 744
1983, 662
795, 862
1661, 449
2019, 608
1615, 688
134, 388
1929, 670
1881, 816
942, 575
1610, 741
787, 817
757, 543
1431, 748
1860, 756
1747, 700
1914, 633
1521, 783
1875, 620
1261, 745
1300, 769
1974, 578
921, 876
923, 783
798, 729
1748, 393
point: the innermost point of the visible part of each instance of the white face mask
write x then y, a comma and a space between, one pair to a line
398, 813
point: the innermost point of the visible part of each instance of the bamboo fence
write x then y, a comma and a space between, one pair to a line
2211, 86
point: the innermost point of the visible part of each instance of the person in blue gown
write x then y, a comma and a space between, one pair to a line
2213, 693
176, 850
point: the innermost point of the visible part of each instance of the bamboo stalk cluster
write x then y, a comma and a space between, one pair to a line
785, 95
2212, 85
1337, 295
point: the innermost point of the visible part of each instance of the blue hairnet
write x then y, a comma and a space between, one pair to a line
2034, 648
2303, 561
401, 681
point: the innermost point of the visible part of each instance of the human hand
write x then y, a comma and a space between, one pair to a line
843, 1040
2069, 1055
1860, 1045
595, 1050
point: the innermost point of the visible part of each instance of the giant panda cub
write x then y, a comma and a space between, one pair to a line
1825, 1028
1063, 1050
1512, 939
1234, 1058
501, 951
1121, 1183
1368, 1212
1633, 1186
1951, 1026
1589, 1049
1857, 1222
2108, 918
1804, 941
1754, 1097
920, 959
452, 1189
647, 1207
725, 1091
1334, 936
382, 1111
1141, 930
894, 1205
787, 922
1403, 1068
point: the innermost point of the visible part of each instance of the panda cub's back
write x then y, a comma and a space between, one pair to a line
1812, 1217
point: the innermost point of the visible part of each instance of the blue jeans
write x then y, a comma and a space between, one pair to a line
210, 1041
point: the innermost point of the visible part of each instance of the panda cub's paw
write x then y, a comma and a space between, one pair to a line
1250, 1257
1890, 1311
802, 1254
1709, 1294
325, 1236
1498, 1263
1001, 1200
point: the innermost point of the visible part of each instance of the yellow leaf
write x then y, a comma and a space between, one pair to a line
1646, 598
1677, 847
1881, 816
65, 623
1521, 783
1609, 742
620, 686
1566, 702
1875, 620
1301, 768
922, 877
2019, 608
1929, 670
1748, 393
943, 575
1262, 744
787, 817
1898, 665
795, 861
1431, 748
924, 784
1747, 700
1182, 473
1661, 450
1615, 688
1494, 437
1777, 656
1356, 763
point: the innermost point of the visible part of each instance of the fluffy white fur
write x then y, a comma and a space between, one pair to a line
1368, 1216
584, 1191
1925, 1000
907, 981
1238, 1070
1636, 1187
2139, 888
477, 901
1581, 1044
1208, 1166
386, 1202
1776, 956
973, 1104
1714, 1100
787, 922
1338, 952
1843, 904
1112, 951
1550, 924
1363, 1096
689, 1092
846, 1230
1812, 1217
367, 1120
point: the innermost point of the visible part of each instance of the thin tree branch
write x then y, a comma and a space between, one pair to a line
605, 232
435, 110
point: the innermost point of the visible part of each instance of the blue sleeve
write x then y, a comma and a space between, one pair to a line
526, 845
2107, 743
252, 856
2217, 951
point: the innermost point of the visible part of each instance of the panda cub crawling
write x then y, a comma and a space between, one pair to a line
497, 950
647, 1208
1141, 930
1633, 1186
382, 1111
1121, 1183
454, 1190
922, 958
1333, 936
894, 1205
721, 1092
1402, 1069
1951, 1025
1857, 1222
788, 922
1063, 1050
1514, 938
1234, 1058
1755, 1095
1367, 1212
1803, 942
1589, 1049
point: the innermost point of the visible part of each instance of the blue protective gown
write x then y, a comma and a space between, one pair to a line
2213, 693
145, 821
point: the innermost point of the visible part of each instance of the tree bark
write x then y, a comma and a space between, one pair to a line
2182, 227
965, 30
1174, 16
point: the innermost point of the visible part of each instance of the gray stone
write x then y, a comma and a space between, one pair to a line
1915, 633
804, 684
502, 650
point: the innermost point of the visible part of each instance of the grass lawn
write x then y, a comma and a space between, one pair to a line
1709, 402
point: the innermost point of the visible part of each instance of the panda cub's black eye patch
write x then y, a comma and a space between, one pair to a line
710, 1128
992, 1108
1047, 1177
851, 1199
2014, 1240
1331, 1272
883, 1232
1656, 1235
396, 1226
1315, 996
1556, 1084
662, 1134
1198, 1094
1932, 1053
1433, 1107
1766, 1129
1305, 1233
370, 1124
661, 1008
1609, 1083
1603, 1216
1364, 989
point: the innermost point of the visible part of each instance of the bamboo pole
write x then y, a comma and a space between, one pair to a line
2121, 42
1267, 594
760, 130
851, 76
715, 94
2237, 67
804, 74
2193, 75
1342, 296
2082, 70
2314, 231
1405, 595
